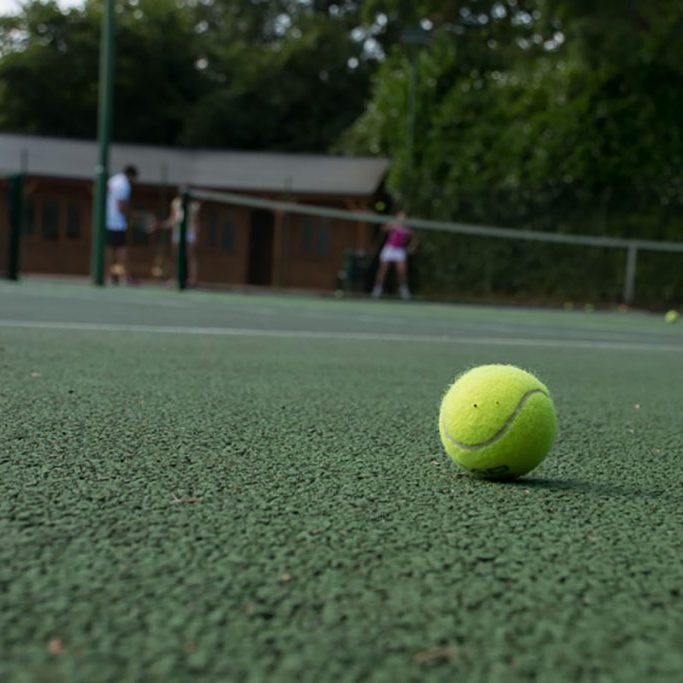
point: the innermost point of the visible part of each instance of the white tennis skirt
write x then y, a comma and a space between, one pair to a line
391, 254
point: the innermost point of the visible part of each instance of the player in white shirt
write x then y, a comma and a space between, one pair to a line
118, 213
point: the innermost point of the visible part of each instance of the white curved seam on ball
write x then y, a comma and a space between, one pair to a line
501, 432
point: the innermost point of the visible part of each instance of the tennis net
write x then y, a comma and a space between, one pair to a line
246, 241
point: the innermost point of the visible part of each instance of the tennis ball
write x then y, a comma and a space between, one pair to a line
672, 316
497, 421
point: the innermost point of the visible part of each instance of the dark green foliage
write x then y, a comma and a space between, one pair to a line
48, 71
296, 93
472, 268
546, 128
49, 80
157, 79
242, 75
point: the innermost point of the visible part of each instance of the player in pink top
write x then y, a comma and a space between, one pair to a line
400, 240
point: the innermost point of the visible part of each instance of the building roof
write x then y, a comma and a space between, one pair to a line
223, 170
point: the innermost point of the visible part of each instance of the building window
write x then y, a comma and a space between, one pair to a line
220, 229
316, 236
50, 220
73, 221
211, 222
29, 217
227, 234
307, 236
324, 240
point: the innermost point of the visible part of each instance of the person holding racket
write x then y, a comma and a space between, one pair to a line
118, 213
400, 241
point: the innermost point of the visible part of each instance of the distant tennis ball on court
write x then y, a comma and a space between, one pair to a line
672, 316
497, 421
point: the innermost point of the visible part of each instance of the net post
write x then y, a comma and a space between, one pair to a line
630, 277
16, 215
182, 241
99, 228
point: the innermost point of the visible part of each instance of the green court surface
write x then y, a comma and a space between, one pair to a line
249, 487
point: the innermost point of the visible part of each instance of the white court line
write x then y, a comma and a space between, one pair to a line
357, 336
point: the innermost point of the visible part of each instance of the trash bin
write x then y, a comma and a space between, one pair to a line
352, 276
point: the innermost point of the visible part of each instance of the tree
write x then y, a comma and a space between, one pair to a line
50, 72
47, 67
287, 75
541, 127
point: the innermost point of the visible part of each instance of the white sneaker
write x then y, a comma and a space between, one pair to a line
405, 293
376, 292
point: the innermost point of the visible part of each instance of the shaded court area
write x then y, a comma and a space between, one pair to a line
212, 487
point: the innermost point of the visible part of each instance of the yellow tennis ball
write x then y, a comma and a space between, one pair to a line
672, 316
497, 421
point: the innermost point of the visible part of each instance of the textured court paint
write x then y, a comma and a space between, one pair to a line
185, 509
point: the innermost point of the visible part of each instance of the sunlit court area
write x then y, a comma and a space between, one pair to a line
340, 342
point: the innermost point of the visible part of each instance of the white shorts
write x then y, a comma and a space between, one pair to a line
391, 254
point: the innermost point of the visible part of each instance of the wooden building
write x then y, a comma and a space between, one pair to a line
237, 245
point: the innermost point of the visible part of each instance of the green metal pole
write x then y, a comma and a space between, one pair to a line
16, 215
182, 243
104, 123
